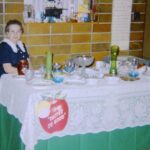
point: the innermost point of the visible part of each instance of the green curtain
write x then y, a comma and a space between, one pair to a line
126, 139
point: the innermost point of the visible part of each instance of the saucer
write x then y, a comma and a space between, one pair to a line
74, 81
39, 83
128, 78
92, 81
19, 77
112, 79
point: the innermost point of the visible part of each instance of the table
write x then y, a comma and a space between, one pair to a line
112, 110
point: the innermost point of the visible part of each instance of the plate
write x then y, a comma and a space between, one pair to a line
92, 81
127, 78
74, 81
40, 83
112, 79
19, 77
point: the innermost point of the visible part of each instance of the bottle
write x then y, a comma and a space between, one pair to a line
22, 66
113, 65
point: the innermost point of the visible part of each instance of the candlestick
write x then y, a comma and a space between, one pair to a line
48, 65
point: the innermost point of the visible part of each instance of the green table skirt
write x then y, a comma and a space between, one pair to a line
121, 139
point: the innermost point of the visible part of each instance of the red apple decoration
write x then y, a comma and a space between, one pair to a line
57, 118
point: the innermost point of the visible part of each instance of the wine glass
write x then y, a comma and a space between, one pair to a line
83, 61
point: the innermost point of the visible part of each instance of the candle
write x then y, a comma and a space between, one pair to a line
48, 63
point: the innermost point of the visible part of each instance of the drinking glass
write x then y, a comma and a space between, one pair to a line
29, 74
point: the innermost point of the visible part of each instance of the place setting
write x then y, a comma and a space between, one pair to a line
84, 70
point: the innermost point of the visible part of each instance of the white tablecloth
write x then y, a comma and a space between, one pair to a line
92, 108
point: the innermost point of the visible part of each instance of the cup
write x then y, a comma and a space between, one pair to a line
58, 77
29, 74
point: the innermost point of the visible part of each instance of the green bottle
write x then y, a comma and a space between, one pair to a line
113, 65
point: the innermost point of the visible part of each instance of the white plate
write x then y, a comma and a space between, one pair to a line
19, 77
40, 83
112, 80
92, 81
74, 81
